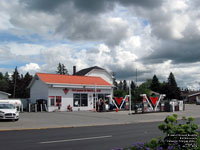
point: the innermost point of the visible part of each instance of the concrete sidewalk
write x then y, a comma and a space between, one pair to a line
42, 120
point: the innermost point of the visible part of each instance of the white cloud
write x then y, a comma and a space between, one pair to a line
31, 68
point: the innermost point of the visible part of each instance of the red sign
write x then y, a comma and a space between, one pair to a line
154, 100
65, 90
118, 100
85, 90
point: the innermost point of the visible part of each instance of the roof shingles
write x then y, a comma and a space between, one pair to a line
72, 79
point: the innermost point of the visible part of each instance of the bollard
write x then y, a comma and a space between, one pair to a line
35, 107
45, 105
22, 108
116, 109
41, 107
29, 107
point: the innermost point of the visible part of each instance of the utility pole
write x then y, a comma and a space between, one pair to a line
14, 85
130, 98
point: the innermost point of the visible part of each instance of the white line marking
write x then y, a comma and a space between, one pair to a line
80, 139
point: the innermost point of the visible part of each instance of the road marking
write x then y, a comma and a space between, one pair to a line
80, 139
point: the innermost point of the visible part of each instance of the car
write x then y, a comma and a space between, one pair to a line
8, 111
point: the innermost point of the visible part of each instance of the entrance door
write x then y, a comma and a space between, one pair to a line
58, 102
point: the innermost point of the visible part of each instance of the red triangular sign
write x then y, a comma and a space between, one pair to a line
118, 100
154, 100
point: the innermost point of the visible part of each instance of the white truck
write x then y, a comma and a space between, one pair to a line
8, 109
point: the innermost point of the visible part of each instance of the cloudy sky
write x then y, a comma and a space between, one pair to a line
152, 36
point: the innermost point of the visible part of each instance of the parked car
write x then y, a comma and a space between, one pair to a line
8, 111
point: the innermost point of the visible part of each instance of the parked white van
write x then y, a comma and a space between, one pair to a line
8, 111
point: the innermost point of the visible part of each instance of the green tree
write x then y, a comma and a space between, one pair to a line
133, 85
144, 88
173, 89
3, 83
155, 84
25, 82
120, 85
125, 88
14, 84
61, 69
114, 81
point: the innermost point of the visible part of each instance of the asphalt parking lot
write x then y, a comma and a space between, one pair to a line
43, 120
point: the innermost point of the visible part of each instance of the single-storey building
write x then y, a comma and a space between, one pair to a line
60, 91
194, 97
4, 95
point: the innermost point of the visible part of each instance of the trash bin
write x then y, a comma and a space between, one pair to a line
181, 105
167, 107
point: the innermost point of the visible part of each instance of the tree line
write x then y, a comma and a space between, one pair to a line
16, 84
169, 88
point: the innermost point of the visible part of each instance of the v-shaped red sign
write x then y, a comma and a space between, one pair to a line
118, 100
154, 100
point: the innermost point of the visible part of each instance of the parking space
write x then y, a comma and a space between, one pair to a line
42, 120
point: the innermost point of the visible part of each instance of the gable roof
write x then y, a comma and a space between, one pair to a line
5, 93
86, 70
72, 79
195, 94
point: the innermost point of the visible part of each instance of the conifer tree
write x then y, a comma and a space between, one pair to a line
155, 84
61, 69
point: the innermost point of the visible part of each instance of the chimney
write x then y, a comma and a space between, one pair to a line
74, 70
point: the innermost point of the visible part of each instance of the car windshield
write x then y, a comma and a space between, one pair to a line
7, 106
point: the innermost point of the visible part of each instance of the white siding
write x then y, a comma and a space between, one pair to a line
101, 73
67, 99
3, 96
38, 90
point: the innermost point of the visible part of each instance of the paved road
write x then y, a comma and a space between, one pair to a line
84, 138
80, 138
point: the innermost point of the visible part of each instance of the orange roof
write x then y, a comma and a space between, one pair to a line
72, 79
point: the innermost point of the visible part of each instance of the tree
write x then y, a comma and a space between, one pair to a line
3, 83
144, 88
14, 84
114, 81
155, 84
173, 90
133, 85
125, 88
120, 86
61, 69
25, 82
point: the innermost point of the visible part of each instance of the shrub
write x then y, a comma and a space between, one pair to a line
177, 133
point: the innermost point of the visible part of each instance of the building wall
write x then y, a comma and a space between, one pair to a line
3, 96
194, 99
38, 90
67, 99
101, 73
104, 75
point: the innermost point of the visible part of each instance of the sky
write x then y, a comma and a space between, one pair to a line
122, 36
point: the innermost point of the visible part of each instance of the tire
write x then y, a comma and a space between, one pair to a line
16, 119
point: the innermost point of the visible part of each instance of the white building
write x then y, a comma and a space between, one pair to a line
4, 95
64, 90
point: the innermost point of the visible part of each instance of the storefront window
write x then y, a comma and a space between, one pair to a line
84, 100
80, 100
55, 100
102, 97
77, 98
52, 100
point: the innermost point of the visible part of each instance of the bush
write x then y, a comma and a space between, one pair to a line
179, 135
